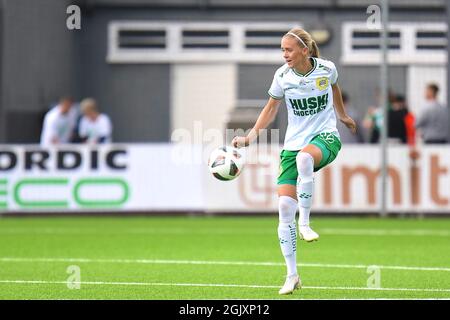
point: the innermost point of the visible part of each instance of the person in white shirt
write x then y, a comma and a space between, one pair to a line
95, 127
309, 86
59, 123
433, 118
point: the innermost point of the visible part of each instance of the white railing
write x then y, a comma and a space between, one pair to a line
408, 51
239, 44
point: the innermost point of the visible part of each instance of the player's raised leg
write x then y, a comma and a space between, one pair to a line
306, 159
287, 234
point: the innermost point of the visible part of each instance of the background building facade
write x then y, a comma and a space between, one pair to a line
41, 59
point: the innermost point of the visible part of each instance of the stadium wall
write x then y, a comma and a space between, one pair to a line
38, 64
202, 95
75, 62
360, 82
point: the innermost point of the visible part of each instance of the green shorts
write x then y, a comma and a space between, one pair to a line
327, 142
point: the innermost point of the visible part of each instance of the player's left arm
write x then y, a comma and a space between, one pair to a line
340, 109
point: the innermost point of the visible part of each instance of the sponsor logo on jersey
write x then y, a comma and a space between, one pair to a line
322, 83
304, 82
309, 106
289, 88
321, 66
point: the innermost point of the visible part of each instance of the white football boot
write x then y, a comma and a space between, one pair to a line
307, 234
292, 283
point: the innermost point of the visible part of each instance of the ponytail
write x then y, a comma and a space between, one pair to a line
314, 50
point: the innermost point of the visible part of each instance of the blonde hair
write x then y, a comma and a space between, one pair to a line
89, 104
305, 39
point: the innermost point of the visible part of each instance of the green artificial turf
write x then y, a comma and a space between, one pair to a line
220, 258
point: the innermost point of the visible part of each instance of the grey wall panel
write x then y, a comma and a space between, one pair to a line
23, 126
254, 80
253, 83
272, 3
136, 96
37, 53
161, 3
2, 110
393, 3
37, 62
42, 60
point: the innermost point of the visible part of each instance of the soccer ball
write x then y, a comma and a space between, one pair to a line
225, 163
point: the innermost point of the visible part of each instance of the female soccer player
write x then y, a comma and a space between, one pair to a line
309, 86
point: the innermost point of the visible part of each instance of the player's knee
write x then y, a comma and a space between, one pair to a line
287, 207
305, 165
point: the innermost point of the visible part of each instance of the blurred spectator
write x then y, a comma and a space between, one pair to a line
397, 111
76, 106
410, 126
433, 119
373, 121
396, 120
95, 127
59, 123
346, 135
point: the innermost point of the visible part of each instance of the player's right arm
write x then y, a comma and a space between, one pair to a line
266, 117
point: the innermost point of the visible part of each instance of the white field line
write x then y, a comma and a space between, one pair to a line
232, 231
229, 263
384, 232
153, 284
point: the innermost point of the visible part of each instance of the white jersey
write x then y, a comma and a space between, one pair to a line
309, 100
95, 130
58, 126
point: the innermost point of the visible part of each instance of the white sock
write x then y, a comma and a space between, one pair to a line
287, 232
305, 186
